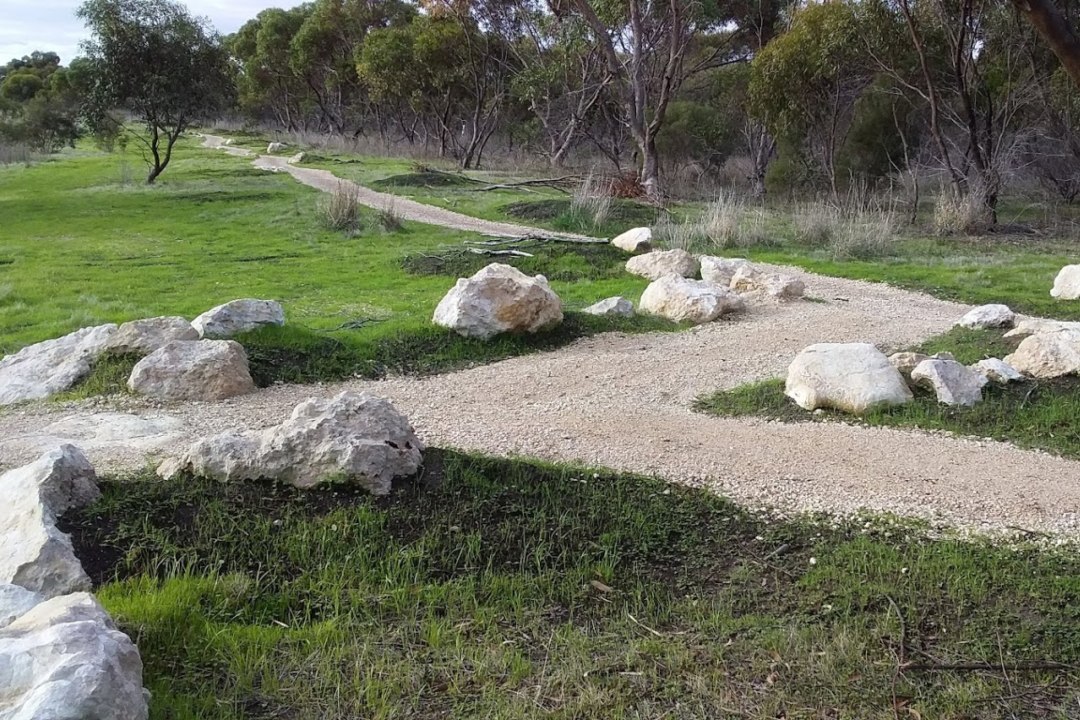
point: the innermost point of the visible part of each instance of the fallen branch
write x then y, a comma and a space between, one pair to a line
985, 666
553, 183
515, 253
510, 239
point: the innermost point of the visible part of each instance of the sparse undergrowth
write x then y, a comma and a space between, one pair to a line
496, 588
1042, 414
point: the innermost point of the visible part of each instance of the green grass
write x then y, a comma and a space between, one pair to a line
83, 244
495, 588
1040, 414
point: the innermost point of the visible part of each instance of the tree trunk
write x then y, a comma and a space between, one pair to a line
650, 169
1055, 31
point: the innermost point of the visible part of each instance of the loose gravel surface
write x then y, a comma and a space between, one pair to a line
623, 402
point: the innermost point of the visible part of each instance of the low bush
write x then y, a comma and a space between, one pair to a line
340, 209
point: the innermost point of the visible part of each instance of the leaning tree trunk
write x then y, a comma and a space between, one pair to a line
650, 169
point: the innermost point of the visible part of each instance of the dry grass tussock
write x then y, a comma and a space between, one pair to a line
727, 222
590, 203
340, 209
857, 231
12, 153
961, 213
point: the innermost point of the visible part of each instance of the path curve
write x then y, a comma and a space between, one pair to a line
623, 401
409, 209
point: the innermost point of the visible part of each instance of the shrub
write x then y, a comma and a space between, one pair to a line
865, 234
816, 224
590, 203
389, 219
961, 213
340, 209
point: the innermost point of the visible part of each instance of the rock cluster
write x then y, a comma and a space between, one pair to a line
61, 656
53, 366
357, 438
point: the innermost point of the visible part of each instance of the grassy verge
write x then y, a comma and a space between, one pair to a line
492, 588
1040, 414
84, 244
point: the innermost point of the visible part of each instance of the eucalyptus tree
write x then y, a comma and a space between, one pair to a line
155, 60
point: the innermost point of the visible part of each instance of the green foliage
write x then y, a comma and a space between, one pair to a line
603, 595
153, 58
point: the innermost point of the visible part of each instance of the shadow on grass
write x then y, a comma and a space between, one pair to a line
607, 595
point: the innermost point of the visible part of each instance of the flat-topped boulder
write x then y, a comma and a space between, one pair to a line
358, 438
952, 383
46, 368
1048, 354
64, 658
988, 316
682, 300
611, 307
851, 377
238, 316
660, 263
1033, 326
142, 337
193, 370
634, 241
1067, 283
499, 299
34, 554
750, 279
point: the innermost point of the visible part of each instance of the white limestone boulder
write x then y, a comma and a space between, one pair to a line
1067, 283
275, 147
611, 307
143, 337
682, 300
64, 659
353, 437
634, 241
499, 299
953, 383
997, 371
660, 263
238, 316
988, 316
720, 271
46, 368
298, 158
193, 370
1033, 326
15, 601
851, 377
1048, 354
34, 554
750, 279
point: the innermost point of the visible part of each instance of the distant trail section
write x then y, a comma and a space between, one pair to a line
404, 207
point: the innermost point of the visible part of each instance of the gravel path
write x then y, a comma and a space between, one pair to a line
624, 402
408, 209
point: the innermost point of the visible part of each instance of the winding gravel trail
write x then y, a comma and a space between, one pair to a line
623, 401
409, 209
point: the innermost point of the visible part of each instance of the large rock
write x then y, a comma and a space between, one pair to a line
1048, 354
193, 370
682, 300
355, 437
611, 307
988, 316
34, 554
1033, 326
276, 147
633, 241
238, 316
852, 377
998, 371
499, 299
40, 370
718, 270
64, 659
15, 601
660, 263
1067, 283
749, 279
143, 337
953, 383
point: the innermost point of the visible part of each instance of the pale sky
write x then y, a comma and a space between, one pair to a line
28, 25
